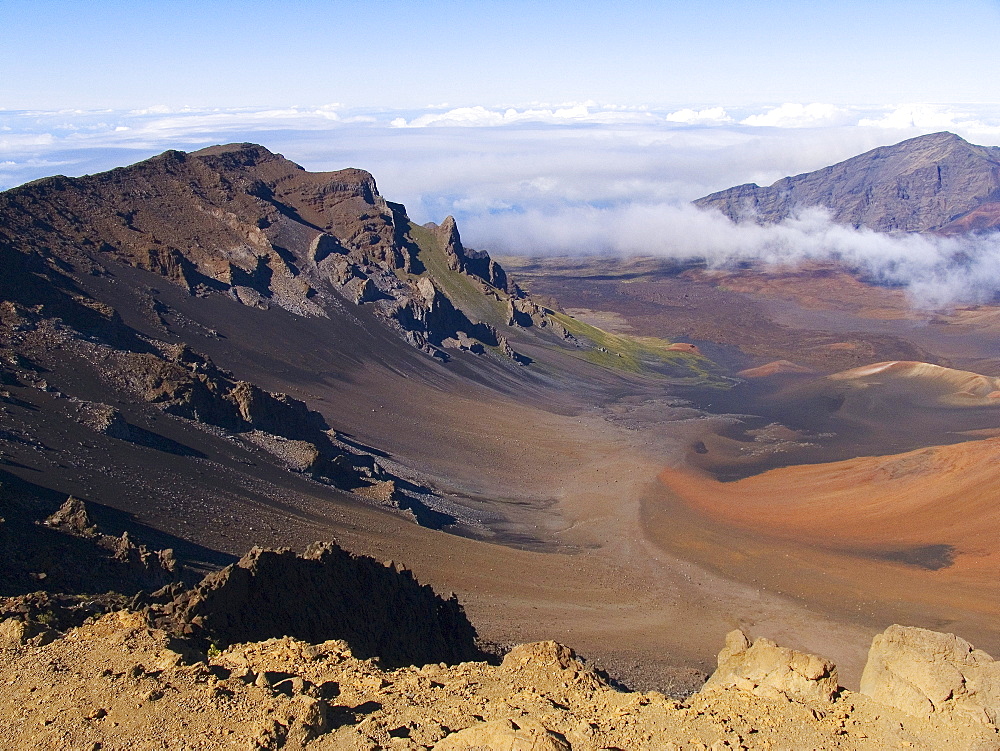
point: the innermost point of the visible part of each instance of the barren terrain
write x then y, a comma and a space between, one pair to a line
554, 455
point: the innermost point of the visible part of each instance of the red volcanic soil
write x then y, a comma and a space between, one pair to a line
943, 495
909, 537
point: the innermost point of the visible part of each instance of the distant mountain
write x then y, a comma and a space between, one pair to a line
934, 183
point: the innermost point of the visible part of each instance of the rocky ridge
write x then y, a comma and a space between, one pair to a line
83, 258
118, 683
933, 183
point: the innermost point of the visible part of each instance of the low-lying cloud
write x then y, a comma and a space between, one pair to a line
937, 272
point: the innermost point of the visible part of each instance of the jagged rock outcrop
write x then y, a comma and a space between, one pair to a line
105, 419
544, 657
72, 517
528, 734
146, 569
475, 263
938, 182
66, 553
926, 673
184, 383
765, 669
325, 593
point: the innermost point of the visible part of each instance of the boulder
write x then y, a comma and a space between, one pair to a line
548, 662
765, 669
15, 633
505, 735
72, 517
926, 673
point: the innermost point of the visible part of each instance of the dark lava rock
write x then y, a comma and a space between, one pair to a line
324, 593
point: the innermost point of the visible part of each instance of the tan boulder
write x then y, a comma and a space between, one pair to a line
926, 672
542, 653
522, 734
765, 669
15, 633
549, 663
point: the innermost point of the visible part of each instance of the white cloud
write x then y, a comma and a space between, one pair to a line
937, 272
710, 116
792, 115
14, 143
480, 116
564, 178
926, 118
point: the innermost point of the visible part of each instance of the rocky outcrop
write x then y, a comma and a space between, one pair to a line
104, 419
16, 633
927, 673
143, 569
765, 669
68, 554
72, 517
505, 734
937, 182
475, 263
184, 383
325, 593
547, 658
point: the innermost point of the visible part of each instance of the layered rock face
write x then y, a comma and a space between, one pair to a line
938, 183
83, 298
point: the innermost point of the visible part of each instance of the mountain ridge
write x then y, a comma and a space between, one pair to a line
932, 183
240, 220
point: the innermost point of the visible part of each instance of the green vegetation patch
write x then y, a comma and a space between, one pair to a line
642, 354
464, 292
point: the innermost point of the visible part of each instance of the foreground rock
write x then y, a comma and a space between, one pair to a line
117, 683
926, 673
765, 669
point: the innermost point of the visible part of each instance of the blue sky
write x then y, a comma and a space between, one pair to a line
396, 53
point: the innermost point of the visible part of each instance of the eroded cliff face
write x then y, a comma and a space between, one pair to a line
241, 221
933, 183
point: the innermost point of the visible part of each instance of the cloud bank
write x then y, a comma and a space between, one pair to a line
937, 272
